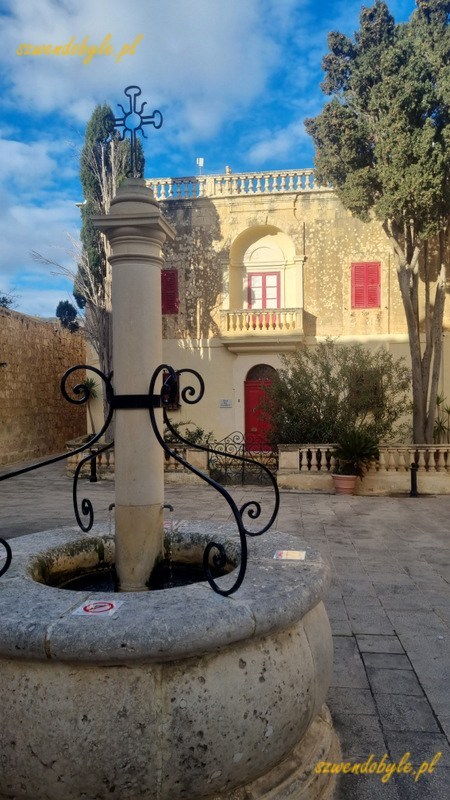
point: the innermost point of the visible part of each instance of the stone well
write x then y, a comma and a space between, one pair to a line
182, 693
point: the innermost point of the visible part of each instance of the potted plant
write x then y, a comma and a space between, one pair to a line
90, 387
354, 451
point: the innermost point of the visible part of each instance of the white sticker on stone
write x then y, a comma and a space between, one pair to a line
98, 608
290, 555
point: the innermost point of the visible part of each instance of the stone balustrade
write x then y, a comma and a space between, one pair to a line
275, 320
309, 467
174, 471
229, 185
105, 463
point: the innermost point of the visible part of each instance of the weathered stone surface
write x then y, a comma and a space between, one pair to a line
182, 693
35, 420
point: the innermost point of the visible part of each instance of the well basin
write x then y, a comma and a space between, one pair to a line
180, 693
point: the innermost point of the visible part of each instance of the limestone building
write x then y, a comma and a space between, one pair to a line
261, 263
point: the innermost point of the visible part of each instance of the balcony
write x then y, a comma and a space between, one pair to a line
231, 185
268, 330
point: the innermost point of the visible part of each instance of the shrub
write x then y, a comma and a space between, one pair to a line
354, 452
67, 315
323, 391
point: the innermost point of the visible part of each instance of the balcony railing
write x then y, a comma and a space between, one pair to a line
265, 322
317, 458
308, 468
229, 185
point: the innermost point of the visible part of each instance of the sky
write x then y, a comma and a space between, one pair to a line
233, 79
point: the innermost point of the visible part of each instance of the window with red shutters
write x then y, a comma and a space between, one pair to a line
366, 284
169, 291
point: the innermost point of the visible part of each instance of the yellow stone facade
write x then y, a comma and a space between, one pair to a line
233, 227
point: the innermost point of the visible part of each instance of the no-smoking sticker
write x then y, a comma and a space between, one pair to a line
98, 608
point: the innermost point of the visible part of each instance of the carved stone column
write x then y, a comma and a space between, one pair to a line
136, 231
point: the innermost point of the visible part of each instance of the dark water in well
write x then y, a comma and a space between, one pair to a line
166, 575
95, 580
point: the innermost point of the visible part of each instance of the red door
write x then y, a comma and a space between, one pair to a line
257, 425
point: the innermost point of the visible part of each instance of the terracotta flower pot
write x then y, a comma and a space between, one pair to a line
344, 484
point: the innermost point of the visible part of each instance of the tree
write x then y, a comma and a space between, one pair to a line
323, 392
8, 300
104, 163
67, 315
383, 143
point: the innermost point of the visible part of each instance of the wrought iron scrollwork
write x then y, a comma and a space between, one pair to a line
224, 468
87, 509
166, 397
77, 395
252, 508
5, 567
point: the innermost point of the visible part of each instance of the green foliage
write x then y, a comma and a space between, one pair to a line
7, 300
354, 451
90, 385
441, 431
383, 141
104, 164
67, 315
322, 392
195, 435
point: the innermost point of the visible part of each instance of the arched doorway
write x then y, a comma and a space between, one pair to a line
257, 424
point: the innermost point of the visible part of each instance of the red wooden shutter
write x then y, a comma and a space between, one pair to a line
169, 291
366, 285
373, 285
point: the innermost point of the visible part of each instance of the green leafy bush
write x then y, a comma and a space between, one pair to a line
325, 390
195, 435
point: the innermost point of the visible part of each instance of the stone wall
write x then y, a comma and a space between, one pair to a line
35, 420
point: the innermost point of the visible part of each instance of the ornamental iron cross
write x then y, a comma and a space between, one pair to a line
132, 122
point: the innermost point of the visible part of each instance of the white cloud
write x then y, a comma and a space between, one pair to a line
25, 164
37, 214
45, 229
42, 302
208, 54
283, 144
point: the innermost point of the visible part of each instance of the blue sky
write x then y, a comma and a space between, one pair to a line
234, 80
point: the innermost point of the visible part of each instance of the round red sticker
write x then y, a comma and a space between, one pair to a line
98, 607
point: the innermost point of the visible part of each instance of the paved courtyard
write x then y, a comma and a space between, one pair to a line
389, 608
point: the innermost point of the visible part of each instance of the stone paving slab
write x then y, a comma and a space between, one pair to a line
398, 681
388, 661
389, 608
365, 787
343, 700
404, 712
422, 746
348, 669
379, 644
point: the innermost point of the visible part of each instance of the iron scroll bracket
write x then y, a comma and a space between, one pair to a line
134, 401
8, 558
214, 553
